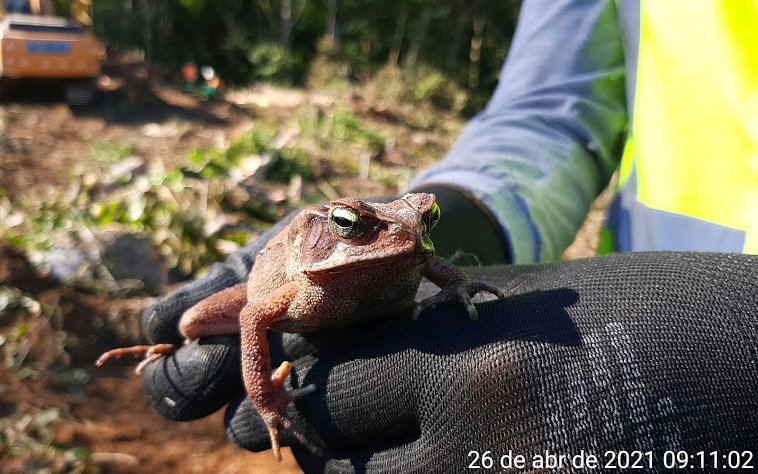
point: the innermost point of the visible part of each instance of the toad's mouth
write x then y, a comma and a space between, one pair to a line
393, 261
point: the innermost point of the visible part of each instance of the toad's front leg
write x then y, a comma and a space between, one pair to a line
266, 390
454, 285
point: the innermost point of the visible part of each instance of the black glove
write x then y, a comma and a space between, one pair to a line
649, 352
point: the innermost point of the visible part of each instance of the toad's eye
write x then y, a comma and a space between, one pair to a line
434, 215
345, 222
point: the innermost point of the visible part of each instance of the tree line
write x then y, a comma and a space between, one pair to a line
278, 40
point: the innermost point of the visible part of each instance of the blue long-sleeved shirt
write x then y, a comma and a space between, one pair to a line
552, 134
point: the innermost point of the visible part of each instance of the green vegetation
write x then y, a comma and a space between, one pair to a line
108, 152
32, 436
217, 199
348, 127
32, 345
173, 209
275, 64
323, 43
26, 322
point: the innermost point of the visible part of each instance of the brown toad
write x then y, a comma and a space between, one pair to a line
331, 266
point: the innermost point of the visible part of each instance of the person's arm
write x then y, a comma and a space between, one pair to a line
549, 139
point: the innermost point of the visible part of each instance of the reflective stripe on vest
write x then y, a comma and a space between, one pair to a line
689, 178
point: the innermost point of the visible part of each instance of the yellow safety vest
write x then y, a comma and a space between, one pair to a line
689, 174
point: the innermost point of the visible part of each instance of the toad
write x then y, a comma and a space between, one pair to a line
333, 265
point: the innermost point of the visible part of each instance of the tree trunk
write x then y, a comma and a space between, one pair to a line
417, 42
285, 13
289, 15
475, 52
332, 29
146, 10
459, 34
397, 40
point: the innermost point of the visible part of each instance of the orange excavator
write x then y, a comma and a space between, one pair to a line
37, 44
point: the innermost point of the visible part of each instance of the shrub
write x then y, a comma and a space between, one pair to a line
271, 62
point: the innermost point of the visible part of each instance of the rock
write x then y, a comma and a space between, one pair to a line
120, 260
250, 167
67, 262
124, 170
131, 257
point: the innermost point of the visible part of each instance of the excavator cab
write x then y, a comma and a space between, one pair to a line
35, 44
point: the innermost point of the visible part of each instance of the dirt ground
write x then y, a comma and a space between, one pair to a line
111, 417
44, 143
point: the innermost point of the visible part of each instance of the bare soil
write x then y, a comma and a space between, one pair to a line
111, 418
44, 143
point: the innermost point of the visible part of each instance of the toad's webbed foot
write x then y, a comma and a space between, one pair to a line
461, 292
275, 413
150, 354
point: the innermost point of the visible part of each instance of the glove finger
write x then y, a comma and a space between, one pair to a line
365, 387
196, 380
289, 347
245, 428
356, 401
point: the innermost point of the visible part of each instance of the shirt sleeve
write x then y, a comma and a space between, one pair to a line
552, 134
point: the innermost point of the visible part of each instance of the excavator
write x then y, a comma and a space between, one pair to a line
36, 44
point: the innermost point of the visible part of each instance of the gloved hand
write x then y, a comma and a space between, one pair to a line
647, 352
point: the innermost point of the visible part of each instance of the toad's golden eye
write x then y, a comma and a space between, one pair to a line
434, 215
345, 222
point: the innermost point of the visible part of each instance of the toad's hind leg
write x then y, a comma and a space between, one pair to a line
266, 390
217, 315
